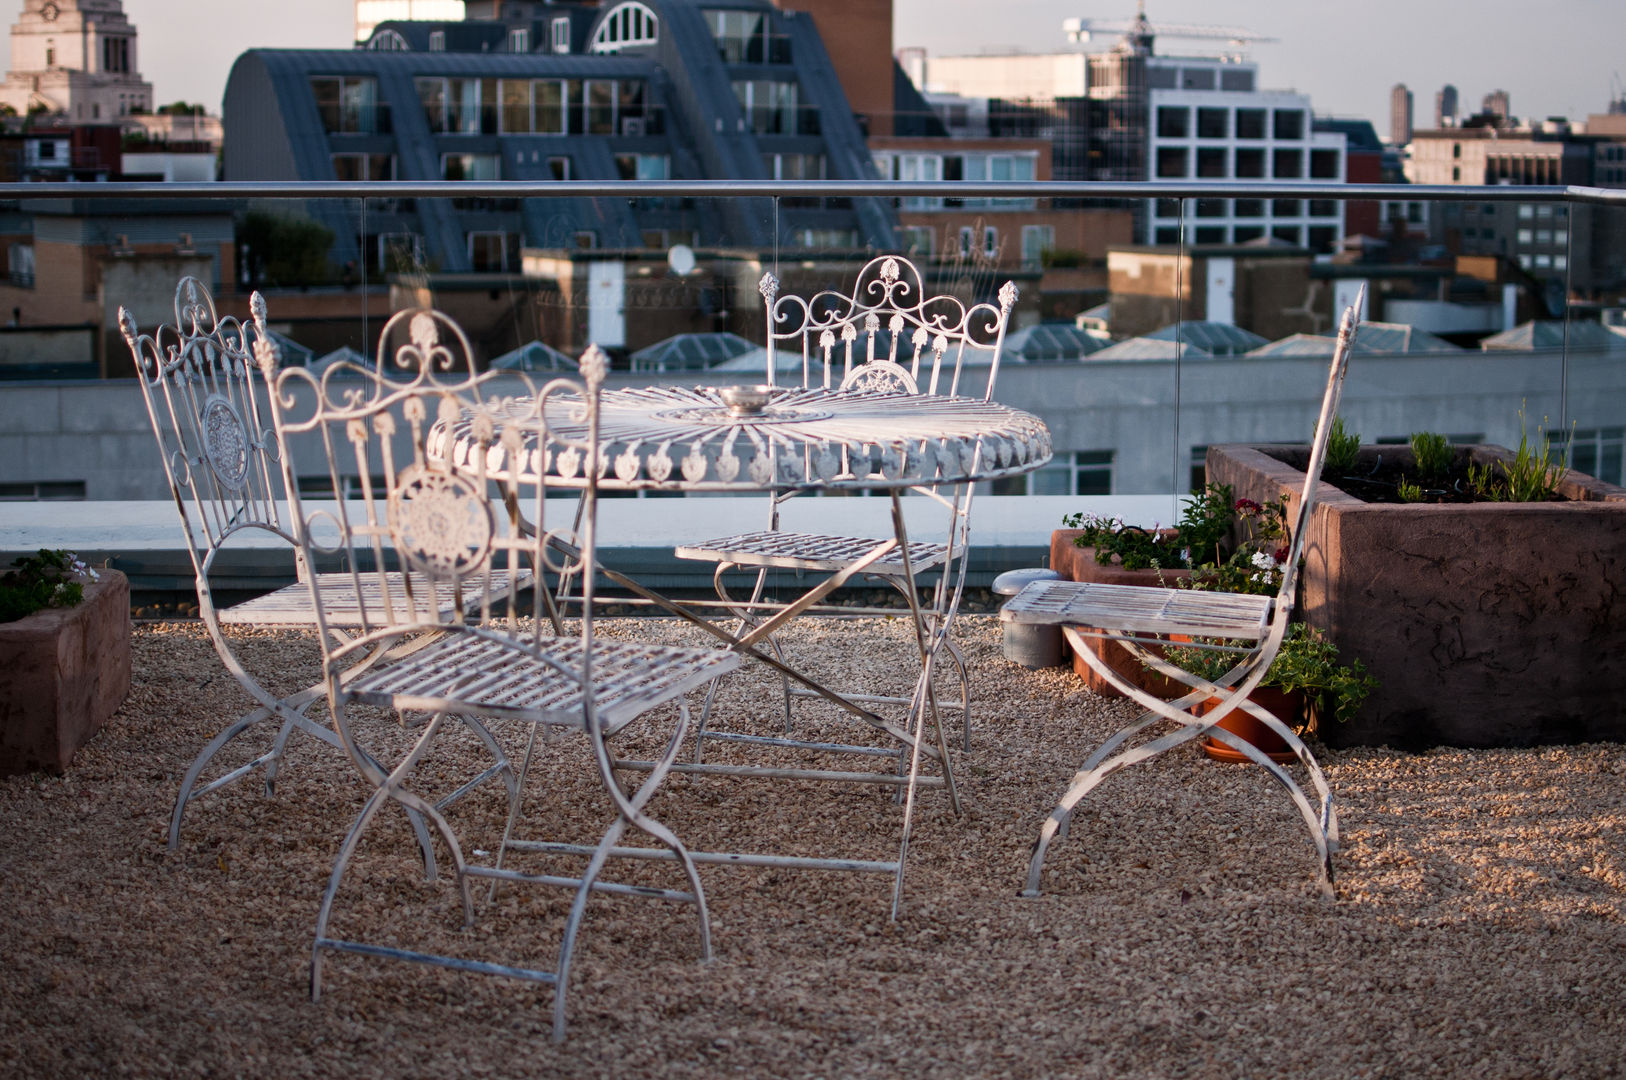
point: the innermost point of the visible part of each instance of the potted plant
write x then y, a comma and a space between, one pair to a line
1305, 685
1487, 622
1110, 552
64, 658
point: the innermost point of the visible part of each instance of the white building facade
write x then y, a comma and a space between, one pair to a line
75, 59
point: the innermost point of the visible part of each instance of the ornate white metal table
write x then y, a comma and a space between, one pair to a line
753, 439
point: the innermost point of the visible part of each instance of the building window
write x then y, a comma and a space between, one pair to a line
1244, 233
1173, 122
627, 26
1212, 208
1598, 452
771, 108
1286, 207
349, 105
965, 241
437, 41
1250, 164
1323, 238
1324, 165
1250, 123
990, 242
559, 168
561, 33
1083, 472
744, 37
1287, 164
1198, 478
1166, 236
643, 166
1288, 123
400, 253
43, 491
1289, 234
1213, 123
1171, 162
1037, 240
519, 40
793, 166
1211, 163
470, 167
1210, 234
919, 241
489, 252
362, 167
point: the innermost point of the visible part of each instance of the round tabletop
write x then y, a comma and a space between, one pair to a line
692, 439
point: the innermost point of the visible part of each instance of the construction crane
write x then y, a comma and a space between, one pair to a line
1082, 30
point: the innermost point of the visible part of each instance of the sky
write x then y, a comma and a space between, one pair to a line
1555, 58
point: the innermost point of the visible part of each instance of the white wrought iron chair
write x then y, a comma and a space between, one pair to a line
1138, 616
479, 524
886, 336
221, 461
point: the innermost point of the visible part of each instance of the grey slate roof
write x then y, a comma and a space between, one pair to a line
1051, 343
1550, 334
692, 352
535, 356
1218, 338
1145, 348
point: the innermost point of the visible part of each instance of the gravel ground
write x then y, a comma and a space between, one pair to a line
1479, 927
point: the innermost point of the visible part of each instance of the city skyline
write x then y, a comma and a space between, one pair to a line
1347, 66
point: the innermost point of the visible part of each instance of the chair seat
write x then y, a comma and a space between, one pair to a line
342, 605
1139, 609
498, 676
811, 551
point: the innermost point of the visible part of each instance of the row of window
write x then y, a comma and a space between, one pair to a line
1222, 163
1318, 238
536, 106
1253, 208
1175, 122
745, 37
1543, 236
920, 242
975, 167
772, 107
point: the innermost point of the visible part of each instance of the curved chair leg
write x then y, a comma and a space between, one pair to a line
389, 788
1188, 727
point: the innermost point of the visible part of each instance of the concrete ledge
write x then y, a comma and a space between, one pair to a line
143, 539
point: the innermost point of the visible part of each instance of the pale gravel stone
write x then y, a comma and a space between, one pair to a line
1479, 929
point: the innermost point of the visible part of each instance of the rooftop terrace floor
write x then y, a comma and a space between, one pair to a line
1479, 927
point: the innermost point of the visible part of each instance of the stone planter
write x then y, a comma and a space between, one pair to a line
1491, 624
1078, 564
63, 673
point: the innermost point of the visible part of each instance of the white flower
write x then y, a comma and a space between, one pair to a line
1264, 560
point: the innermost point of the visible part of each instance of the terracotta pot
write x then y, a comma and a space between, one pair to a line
1078, 564
1284, 706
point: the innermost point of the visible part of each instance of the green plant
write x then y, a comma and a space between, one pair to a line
49, 579
1307, 663
1196, 540
1409, 492
1532, 476
1343, 448
1257, 562
1432, 455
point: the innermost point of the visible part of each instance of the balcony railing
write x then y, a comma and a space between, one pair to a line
600, 264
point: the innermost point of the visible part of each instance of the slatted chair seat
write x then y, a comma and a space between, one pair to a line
345, 608
512, 679
1135, 610
811, 551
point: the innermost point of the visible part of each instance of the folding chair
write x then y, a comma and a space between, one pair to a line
197, 381
1138, 616
886, 336
480, 526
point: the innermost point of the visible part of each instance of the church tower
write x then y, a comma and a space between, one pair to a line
75, 59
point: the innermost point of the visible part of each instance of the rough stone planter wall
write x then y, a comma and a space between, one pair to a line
1490, 624
1078, 564
63, 673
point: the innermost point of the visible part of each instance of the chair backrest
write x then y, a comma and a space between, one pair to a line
1318, 450
886, 334
451, 477
197, 379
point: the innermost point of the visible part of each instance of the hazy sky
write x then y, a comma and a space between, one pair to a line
1557, 57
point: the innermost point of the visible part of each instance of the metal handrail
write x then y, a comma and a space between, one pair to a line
885, 189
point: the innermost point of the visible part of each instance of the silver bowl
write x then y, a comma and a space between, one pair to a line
746, 400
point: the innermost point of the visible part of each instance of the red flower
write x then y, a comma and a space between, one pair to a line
1281, 554
1247, 506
